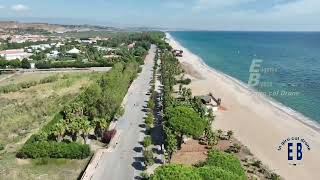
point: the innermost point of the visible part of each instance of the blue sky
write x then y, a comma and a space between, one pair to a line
190, 14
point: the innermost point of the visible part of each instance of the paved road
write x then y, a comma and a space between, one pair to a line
124, 162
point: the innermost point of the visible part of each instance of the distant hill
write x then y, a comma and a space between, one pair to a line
58, 28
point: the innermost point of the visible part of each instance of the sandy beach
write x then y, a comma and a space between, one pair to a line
257, 122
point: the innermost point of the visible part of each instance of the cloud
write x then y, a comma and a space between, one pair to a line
2, 7
218, 4
19, 7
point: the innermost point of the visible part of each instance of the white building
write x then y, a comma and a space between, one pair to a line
74, 51
53, 54
12, 54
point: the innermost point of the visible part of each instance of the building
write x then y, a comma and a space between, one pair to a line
210, 102
177, 53
74, 51
53, 54
12, 54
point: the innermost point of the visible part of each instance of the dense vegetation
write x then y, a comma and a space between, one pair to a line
93, 109
219, 165
186, 116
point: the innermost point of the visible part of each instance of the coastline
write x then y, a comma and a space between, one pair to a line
258, 121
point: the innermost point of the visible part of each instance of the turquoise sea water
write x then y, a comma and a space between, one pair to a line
290, 68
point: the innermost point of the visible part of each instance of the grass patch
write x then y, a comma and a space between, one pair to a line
24, 112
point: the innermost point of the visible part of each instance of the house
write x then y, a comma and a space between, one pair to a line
130, 46
12, 54
177, 53
74, 51
86, 41
59, 44
53, 54
210, 102
32, 65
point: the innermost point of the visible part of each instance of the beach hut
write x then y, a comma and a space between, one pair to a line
210, 102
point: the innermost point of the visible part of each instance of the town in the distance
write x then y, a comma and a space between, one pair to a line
87, 102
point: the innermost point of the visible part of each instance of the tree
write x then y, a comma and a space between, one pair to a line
209, 172
229, 134
175, 172
212, 138
3, 63
25, 64
184, 92
120, 112
189, 94
225, 161
149, 119
14, 63
220, 132
180, 88
148, 157
185, 121
147, 141
74, 127
171, 142
151, 104
85, 128
100, 125
59, 130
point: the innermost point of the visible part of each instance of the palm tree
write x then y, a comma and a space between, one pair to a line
59, 130
85, 129
100, 124
219, 132
75, 127
229, 134
189, 93
184, 92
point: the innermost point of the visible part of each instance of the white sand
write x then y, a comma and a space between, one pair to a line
256, 121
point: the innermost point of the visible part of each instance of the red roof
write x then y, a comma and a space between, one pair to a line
12, 51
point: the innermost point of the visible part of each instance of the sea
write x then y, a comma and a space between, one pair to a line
284, 66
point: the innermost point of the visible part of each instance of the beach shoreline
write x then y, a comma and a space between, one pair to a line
258, 121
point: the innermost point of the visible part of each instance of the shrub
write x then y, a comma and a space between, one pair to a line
225, 161
149, 119
148, 157
212, 172
24, 85
25, 64
147, 141
52, 149
151, 104
176, 172
49, 79
1, 147
257, 163
144, 175
235, 148
184, 81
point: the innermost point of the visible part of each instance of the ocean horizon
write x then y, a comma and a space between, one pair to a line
289, 71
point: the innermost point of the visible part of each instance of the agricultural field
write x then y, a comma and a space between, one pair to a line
28, 102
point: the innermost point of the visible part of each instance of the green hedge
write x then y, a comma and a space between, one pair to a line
52, 149
71, 64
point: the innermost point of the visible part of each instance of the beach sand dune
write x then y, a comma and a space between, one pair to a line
256, 121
